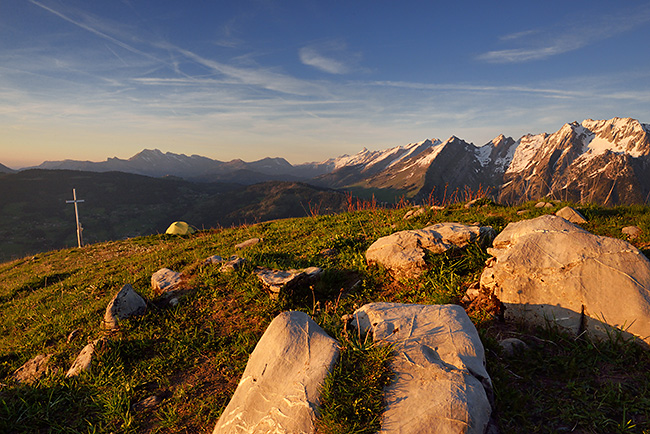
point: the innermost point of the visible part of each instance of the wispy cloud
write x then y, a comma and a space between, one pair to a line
330, 56
311, 57
566, 36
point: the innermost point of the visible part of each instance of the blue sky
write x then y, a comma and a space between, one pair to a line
307, 80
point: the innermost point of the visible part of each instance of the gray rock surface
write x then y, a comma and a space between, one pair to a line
165, 280
125, 304
276, 280
233, 263
548, 270
33, 369
440, 385
512, 346
279, 390
84, 360
633, 232
248, 243
403, 252
572, 215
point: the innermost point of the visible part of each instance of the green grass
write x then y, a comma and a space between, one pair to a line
193, 354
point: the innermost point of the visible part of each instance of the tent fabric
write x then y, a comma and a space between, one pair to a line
180, 228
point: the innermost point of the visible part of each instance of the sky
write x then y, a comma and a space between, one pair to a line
308, 80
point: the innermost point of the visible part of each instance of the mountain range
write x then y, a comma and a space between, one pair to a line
602, 161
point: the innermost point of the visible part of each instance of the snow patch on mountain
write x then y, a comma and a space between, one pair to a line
524, 152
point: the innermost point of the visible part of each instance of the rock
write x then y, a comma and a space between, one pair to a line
165, 280
33, 369
523, 211
544, 205
84, 360
233, 263
125, 304
403, 252
440, 382
276, 280
415, 212
471, 203
214, 259
329, 252
472, 293
633, 232
147, 404
512, 346
550, 271
73, 335
571, 215
437, 208
280, 388
248, 243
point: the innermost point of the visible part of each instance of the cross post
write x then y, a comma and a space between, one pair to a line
74, 200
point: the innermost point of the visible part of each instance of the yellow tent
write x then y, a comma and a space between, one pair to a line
180, 228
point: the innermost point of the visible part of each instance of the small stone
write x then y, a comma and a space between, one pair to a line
165, 280
633, 232
233, 263
173, 302
416, 212
33, 369
147, 404
437, 208
523, 211
512, 346
73, 335
248, 243
570, 214
540, 204
84, 360
471, 294
214, 259
328, 252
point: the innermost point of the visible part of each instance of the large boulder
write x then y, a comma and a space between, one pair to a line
550, 271
403, 252
440, 384
125, 304
280, 388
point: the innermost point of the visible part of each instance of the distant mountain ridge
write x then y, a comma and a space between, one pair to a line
603, 161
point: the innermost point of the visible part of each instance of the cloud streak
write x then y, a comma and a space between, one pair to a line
539, 44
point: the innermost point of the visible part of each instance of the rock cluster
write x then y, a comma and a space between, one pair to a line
403, 252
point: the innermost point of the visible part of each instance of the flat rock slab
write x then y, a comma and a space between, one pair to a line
280, 388
571, 215
33, 369
165, 280
440, 384
125, 304
403, 252
276, 280
548, 270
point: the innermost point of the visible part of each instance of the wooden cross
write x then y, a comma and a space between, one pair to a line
76, 213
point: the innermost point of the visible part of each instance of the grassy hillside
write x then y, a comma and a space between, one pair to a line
34, 216
193, 354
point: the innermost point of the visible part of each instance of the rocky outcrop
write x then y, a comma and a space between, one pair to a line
279, 390
403, 252
440, 382
550, 271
